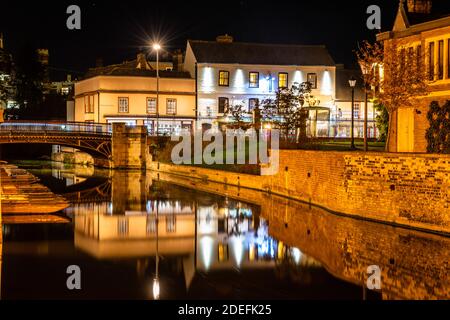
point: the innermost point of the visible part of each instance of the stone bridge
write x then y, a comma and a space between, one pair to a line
114, 146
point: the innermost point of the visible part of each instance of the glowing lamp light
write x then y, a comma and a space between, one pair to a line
298, 78
207, 244
239, 82
156, 289
156, 46
326, 83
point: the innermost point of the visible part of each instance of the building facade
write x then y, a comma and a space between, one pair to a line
230, 73
129, 93
419, 27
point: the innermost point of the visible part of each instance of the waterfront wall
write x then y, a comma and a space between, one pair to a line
403, 189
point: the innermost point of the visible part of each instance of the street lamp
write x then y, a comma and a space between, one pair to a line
157, 47
352, 83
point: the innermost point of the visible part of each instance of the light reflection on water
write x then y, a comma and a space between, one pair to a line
138, 237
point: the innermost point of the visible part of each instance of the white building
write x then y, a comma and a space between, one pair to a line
232, 73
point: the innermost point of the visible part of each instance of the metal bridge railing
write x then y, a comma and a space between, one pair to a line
55, 127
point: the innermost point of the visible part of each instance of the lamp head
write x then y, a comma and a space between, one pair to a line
352, 82
156, 46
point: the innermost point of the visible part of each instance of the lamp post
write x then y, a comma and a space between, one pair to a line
352, 83
366, 73
157, 47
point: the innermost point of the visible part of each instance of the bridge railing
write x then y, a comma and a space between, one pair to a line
55, 127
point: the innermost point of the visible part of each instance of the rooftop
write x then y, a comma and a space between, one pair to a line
139, 67
229, 52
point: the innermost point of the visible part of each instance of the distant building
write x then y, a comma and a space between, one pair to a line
230, 73
6, 74
428, 30
127, 93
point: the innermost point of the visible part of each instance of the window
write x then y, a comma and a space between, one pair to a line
253, 79
356, 110
419, 57
224, 78
312, 78
171, 106
441, 59
171, 223
151, 105
122, 226
252, 103
431, 61
223, 105
448, 59
89, 104
282, 80
123, 105
151, 224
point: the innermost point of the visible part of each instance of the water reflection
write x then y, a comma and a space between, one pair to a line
159, 236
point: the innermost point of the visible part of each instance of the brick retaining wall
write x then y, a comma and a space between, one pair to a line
403, 189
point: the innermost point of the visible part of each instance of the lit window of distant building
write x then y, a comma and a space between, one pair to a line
89, 104
151, 105
223, 104
123, 105
431, 61
312, 78
224, 78
356, 110
282, 80
252, 103
253, 79
171, 106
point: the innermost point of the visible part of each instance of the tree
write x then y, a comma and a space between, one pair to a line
29, 84
237, 113
396, 71
382, 121
287, 111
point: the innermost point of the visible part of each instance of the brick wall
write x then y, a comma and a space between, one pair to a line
403, 189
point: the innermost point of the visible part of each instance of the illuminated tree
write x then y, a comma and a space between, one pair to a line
396, 72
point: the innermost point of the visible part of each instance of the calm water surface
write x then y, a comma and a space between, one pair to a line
128, 231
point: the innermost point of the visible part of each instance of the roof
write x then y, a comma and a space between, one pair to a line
130, 68
343, 90
260, 54
411, 23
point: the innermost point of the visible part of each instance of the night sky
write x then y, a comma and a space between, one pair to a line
115, 31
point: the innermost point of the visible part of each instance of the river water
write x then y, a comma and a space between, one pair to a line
145, 236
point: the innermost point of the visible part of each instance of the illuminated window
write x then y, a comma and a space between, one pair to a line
223, 104
223, 252
123, 105
171, 223
89, 104
356, 110
431, 61
448, 59
253, 79
282, 80
224, 78
171, 106
312, 78
151, 224
252, 103
122, 226
419, 56
441, 59
151, 105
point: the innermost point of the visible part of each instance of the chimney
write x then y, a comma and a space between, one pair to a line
177, 60
419, 6
224, 39
141, 61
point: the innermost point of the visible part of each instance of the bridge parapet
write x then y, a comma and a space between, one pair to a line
56, 127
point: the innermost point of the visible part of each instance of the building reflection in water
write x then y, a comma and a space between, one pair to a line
213, 234
180, 230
